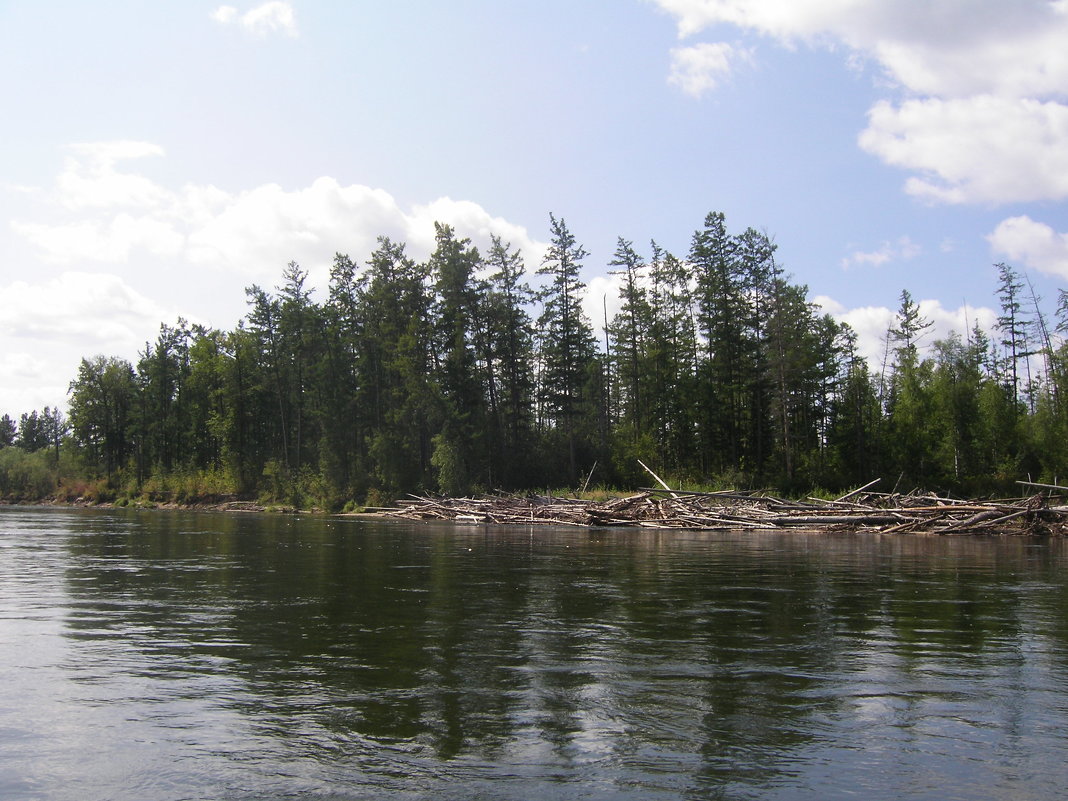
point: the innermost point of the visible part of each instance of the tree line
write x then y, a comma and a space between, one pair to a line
455, 375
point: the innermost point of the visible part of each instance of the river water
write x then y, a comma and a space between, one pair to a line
168, 655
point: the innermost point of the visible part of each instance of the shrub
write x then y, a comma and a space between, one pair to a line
25, 476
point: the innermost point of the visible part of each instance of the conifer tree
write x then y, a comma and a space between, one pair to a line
510, 361
1013, 324
722, 317
567, 341
908, 406
394, 368
629, 331
672, 344
459, 454
8, 431
342, 426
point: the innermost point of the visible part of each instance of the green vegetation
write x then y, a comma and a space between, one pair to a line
453, 375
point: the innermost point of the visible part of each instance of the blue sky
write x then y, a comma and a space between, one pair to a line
157, 158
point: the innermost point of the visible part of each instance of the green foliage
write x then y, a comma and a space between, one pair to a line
188, 486
433, 376
8, 431
103, 400
567, 344
448, 461
25, 476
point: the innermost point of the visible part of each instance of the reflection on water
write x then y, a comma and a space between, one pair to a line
174, 655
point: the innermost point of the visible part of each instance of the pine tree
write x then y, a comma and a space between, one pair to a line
672, 352
908, 405
629, 330
854, 433
722, 318
394, 361
1013, 324
341, 418
8, 431
459, 454
567, 341
509, 346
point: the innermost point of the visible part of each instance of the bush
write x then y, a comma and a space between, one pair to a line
26, 476
377, 498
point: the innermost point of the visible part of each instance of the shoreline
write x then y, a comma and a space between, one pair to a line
678, 510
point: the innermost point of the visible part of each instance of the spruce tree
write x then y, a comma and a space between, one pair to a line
567, 341
459, 455
509, 336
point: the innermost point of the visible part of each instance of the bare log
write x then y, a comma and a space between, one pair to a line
859, 490
1043, 486
659, 480
915, 513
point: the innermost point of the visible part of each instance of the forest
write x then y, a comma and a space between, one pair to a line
456, 376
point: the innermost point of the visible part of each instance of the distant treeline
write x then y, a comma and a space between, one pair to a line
452, 375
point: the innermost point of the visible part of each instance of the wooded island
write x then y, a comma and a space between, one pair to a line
454, 376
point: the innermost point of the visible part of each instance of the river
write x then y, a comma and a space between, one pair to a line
161, 656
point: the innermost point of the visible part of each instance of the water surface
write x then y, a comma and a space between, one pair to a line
152, 655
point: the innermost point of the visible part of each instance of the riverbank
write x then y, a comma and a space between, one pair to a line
202, 506
856, 512
861, 511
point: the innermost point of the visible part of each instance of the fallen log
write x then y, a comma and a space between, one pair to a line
676, 509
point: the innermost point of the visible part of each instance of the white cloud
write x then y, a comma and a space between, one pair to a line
871, 324
90, 179
224, 15
218, 242
262, 228
979, 149
901, 250
22, 366
1035, 244
470, 220
110, 242
602, 292
701, 67
945, 49
47, 326
273, 17
986, 122
88, 309
253, 233
29, 382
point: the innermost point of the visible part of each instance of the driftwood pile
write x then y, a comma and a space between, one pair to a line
859, 511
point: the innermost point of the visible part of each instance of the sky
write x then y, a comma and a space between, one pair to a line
158, 158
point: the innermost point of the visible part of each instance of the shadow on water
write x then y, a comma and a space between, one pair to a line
603, 663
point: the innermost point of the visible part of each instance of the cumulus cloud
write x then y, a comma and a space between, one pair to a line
48, 325
224, 15
273, 17
1033, 243
29, 382
602, 293
90, 309
871, 324
469, 220
978, 149
137, 232
944, 49
901, 250
985, 120
110, 215
90, 178
110, 241
702, 67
